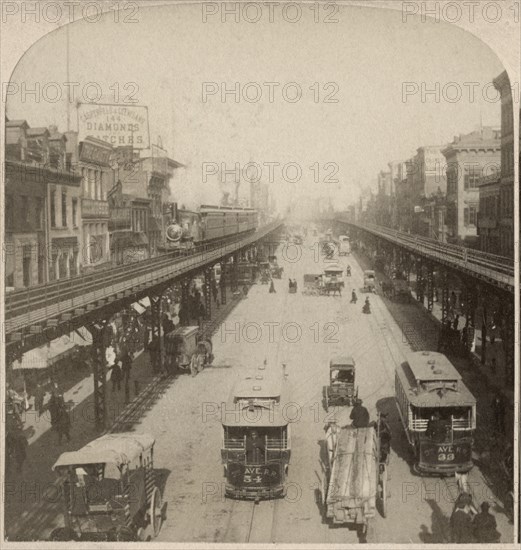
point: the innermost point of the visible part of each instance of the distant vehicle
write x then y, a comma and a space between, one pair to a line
217, 273
438, 413
341, 389
110, 491
186, 348
264, 272
369, 280
401, 290
275, 270
345, 246
256, 443
334, 274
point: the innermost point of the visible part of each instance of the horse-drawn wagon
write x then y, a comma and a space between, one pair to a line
187, 348
355, 477
110, 490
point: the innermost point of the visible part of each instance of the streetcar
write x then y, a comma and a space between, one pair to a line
438, 413
110, 490
256, 443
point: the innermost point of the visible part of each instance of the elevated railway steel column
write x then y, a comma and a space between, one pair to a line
100, 332
420, 281
185, 316
508, 338
222, 281
235, 271
471, 302
443, 280
208, 275
430, 286
156, 345
484, 333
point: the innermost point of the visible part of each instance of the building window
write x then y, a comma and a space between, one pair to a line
41, 264
9, 212
39, 212
25, 208
470, 215
64, 209
26, 265
452, 181
53, 208
472, 177
75, 212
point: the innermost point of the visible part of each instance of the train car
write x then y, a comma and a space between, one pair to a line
438, 413
187, 229
256, 438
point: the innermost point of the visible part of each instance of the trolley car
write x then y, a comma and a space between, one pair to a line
438, 413
256, 443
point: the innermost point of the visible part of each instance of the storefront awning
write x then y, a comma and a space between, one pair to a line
47, 355
138, 308
145, 302
82, 337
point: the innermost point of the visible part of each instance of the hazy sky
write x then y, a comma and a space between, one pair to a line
369, 55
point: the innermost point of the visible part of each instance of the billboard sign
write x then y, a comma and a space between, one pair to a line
118, 125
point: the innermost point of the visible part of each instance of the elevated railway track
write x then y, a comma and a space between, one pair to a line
45, 306
494, 269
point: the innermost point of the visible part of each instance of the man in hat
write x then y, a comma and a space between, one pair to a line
39, 395
436, 428
485, 527
499, 409
359, 415
255, 448
461, 524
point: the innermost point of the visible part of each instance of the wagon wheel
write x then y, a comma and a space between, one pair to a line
156, 512
384, 493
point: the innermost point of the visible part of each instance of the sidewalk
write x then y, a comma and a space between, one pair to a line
32, 503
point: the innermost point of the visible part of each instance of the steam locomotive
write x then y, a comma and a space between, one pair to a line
186, 229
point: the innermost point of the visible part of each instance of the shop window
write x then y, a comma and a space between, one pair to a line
41, 264
471, 177
38, 212
53, 208
9, 212
75, 212
64, 209
26, 265
25, 208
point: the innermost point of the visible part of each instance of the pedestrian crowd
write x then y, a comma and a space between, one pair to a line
468, 528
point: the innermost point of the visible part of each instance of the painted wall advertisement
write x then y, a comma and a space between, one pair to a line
118, 125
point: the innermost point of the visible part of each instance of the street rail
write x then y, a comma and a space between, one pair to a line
26, 307
495, 268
